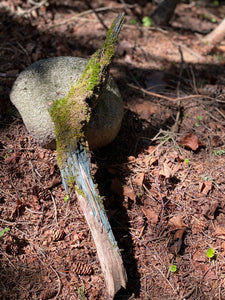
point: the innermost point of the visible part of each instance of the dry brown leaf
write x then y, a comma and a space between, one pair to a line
219, 226
200, 256
176, 222
41, 154
205, 187
190, 141
48, 294
150, 160
13, 158
220, 231
217, 141
151, 215
210, 208
35, 203
138, 180
52, 169
176, 168
179, 234
150, 149
166, 171
53, 182
173, 155
130, 158
128, 192
211, 275
176, 242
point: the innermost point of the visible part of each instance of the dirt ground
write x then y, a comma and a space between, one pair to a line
162, 178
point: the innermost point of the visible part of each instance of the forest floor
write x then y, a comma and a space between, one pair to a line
162, 178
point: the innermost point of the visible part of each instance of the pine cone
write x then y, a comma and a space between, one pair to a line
82, 268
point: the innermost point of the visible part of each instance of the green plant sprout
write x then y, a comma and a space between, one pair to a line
220, 57
186, 115
200, 118
197, 124
186, 160
147, 22
133, 22
3, 231
81, 292
66, 198
218, 152
173, 268
210, 253
209, 18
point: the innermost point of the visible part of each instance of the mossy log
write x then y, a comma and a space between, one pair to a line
51, 79
77, 102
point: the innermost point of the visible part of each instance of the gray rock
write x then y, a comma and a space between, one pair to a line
50, 79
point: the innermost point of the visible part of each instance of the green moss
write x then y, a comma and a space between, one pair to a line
100, 201
96, 71
71, 181
80, 192
71, 114
90, 77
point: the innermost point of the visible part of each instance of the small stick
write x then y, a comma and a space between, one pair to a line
97, 15
164, 97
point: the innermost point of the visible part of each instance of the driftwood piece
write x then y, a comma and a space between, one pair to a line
110, 259
82, 115
71, 116
215, 36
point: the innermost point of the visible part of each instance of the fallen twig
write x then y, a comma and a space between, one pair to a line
164, 97
55, 208
78, 16
36, 6
97, 15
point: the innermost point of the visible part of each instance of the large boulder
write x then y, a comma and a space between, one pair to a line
50, 79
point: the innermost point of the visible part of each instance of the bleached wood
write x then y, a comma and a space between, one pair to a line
217, 35
109, 256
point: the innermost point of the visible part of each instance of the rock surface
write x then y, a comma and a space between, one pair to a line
50, 79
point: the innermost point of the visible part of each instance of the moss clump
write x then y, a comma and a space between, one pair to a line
95, 75
71, 114
70, 181
80, 192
